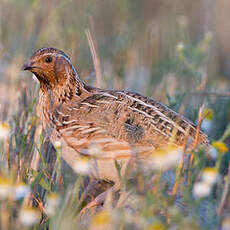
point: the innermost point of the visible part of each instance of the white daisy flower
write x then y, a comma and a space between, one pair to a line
57, 145
82, 166
165, 158
52, 202
210, 175
20, 191
28, 216
201, 189
180, 46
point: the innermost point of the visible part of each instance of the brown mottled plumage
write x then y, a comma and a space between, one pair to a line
118, 123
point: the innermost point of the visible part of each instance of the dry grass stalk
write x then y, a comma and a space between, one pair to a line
96, 60
40, 204
34, 165
200, 119
186, 146
203, 84
225, 194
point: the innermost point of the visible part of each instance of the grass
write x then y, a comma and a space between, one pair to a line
39, 191
48, 198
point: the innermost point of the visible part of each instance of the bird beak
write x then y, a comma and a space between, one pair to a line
28, 66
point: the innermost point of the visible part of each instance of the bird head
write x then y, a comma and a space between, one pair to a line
51, 66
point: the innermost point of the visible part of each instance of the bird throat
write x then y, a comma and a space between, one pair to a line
71, 84
44, 84
62, 93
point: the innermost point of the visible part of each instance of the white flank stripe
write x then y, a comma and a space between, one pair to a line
101, 140
100, 131
77, 127
69, 122
90, 105
109, 95
104, 102
69, 108
64, 115
90, 130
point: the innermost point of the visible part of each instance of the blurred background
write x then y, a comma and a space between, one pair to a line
177, 52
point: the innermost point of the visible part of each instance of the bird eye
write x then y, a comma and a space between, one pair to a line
48, 59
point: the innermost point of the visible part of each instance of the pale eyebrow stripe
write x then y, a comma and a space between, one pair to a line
57, 55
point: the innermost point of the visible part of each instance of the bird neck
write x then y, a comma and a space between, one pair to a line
63, 91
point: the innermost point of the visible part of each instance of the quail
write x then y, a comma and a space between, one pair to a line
104, 124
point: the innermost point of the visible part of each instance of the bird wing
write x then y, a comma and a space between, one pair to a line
116, 124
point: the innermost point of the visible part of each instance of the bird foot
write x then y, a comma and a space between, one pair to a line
99, 200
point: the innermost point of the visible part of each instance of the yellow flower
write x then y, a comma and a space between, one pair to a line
101, 218
208, 113
157, 226
4, 130
52, 196
5, 188
220, 146
210, 175
210, 170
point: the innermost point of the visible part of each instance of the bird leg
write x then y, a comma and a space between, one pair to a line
100, 198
